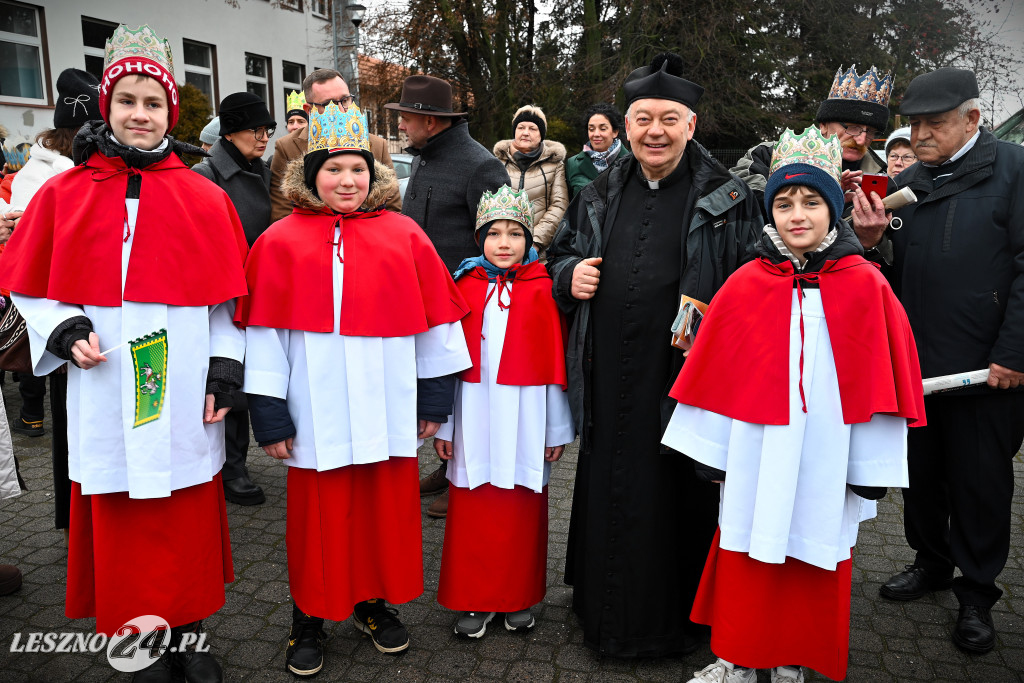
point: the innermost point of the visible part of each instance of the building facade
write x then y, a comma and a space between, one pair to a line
221, 46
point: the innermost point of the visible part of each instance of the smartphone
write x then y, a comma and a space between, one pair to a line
875, 182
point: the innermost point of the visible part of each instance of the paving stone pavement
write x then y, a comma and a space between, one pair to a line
888, 641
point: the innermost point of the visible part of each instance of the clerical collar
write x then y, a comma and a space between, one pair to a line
960, 152
680, 172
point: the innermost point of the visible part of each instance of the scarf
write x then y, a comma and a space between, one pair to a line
602, 159
494, 273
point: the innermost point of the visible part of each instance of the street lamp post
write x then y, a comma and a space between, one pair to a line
345, 21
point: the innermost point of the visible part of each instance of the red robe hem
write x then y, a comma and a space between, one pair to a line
354, 533
127, 557
395, 284
188, 247
495, 550
534, 350
739, 364
767, 615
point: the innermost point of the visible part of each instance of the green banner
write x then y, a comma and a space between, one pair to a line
149, 354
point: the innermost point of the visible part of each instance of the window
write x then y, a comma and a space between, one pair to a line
257, 78
201, 68
21, 53
94, 37
291, 77
319, 8
292, 4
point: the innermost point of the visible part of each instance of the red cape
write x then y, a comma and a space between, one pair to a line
188, 247
739, 364
534, 352
395, 283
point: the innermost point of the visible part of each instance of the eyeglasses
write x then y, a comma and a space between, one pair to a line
854, 131
342, 102
907, 158
263, 133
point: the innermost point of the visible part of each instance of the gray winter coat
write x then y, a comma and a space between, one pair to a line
248, 191
449, 175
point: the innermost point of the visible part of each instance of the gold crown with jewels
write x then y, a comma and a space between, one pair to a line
336, 130
809, 147
506, 203
871, 87
127, 43
295, 101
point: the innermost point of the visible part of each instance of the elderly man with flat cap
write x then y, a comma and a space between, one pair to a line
450, 172
666, 222
958, 268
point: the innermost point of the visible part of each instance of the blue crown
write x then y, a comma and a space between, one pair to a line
336, 130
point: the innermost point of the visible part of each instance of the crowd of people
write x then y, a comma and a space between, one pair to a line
739, 352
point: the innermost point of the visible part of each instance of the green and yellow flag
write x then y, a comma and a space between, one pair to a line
149, 354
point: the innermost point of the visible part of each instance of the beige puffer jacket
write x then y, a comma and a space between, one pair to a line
544, 183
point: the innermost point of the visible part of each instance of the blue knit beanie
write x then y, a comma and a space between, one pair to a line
808, 176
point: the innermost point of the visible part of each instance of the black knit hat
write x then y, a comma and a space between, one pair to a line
662, 80
939, 91
243, 110
528, 115
78, 99
858, 99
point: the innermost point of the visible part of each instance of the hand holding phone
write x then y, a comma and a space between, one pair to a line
875, 182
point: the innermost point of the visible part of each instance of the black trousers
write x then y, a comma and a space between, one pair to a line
957, 509
59, 450
236, 438
33, 391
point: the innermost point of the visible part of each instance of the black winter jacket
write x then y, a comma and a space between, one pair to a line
720, 237
958, 265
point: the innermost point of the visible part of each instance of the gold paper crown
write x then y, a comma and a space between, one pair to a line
141, 42
811, 148
871, 87
336, 130
513, 205
295, 101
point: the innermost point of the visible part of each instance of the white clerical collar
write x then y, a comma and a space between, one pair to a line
653, 184
960, 152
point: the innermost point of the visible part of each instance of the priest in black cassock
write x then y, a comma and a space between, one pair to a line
669, 220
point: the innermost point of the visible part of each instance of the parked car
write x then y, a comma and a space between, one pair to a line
1012, 129
403, 169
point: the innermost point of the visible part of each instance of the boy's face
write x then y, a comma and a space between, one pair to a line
343, 182
801, 217
504, 243
138, 112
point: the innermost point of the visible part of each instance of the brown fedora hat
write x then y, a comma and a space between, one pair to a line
425, 95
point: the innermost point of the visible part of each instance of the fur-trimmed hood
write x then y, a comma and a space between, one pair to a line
294, 185
553, 151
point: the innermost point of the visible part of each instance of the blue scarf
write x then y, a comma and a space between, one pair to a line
602, 159
493, 271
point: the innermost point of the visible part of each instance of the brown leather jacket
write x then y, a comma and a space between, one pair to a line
293, 146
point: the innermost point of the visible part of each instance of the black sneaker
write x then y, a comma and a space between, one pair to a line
27, 427
381, 623
305, 653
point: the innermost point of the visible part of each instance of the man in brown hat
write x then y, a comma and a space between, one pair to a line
449, 174
667, 221
321, 87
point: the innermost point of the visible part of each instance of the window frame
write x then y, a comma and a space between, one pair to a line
267, 81
288, 86
200, 70
46, 101
90, 51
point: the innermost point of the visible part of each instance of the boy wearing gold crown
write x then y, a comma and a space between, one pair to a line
295, 115
796, 395
511, 421
352, 345
114, 251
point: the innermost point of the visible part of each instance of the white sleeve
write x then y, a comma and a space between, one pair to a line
560, 428
266, 361
878, 452
42, 317
227, 340
441, 351
447, 429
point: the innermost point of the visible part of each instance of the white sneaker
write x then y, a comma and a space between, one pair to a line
724, 672
787, 674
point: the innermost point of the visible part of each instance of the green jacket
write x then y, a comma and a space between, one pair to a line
580, 170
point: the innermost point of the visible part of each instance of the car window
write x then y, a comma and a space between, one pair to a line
1012, 130
402, 168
